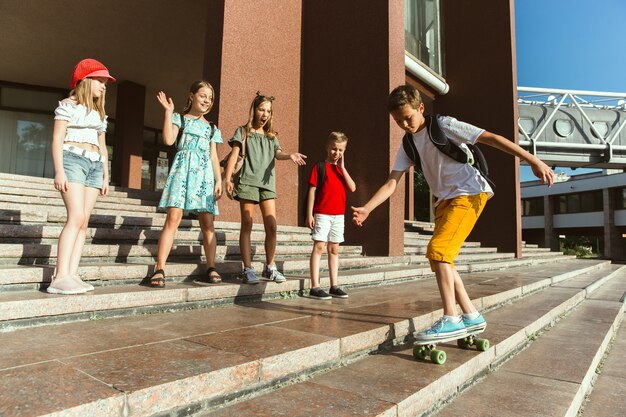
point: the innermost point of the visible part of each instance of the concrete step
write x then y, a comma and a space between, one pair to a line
189, 361
553, 376
394, 384
408, 250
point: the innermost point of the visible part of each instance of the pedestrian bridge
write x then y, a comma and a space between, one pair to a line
573, 128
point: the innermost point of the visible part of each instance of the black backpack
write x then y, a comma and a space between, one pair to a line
449, 148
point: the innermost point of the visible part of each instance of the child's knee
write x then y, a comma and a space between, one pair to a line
333, 248
318, 247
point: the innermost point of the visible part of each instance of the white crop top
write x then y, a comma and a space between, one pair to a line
83, 125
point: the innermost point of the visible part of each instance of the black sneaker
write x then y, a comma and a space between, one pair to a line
319, 294
338, 292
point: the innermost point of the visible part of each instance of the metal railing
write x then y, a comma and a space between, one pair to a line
584, 111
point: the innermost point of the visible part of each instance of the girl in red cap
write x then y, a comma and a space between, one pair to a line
194, 182
81, 169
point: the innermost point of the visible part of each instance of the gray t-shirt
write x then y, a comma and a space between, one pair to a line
259, 165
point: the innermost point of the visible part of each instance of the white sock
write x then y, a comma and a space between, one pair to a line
452, 319
471, 316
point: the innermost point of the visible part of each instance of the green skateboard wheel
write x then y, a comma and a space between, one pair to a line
438, 357
464, 343
482, 344
419, 352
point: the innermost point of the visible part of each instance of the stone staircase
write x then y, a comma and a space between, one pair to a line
233, 349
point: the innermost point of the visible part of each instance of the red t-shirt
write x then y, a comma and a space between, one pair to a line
331, 198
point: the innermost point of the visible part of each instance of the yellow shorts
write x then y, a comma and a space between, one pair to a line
454, 220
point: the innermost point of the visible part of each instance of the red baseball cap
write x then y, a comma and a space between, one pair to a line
89, 68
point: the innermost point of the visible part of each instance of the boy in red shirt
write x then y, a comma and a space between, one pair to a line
326, 206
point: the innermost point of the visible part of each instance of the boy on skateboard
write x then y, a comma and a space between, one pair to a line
461, 193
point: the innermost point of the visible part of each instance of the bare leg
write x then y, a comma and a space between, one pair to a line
74, 200
316, 256
90, 196
333, 262
166, 240
451, 289
461, 294
268, 210
245, 247
209, 240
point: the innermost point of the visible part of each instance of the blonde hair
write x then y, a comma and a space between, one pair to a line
82, 94
336, 137
193, 89
267, 128
404, 94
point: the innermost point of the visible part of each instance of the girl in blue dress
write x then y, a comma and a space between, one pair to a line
194, 181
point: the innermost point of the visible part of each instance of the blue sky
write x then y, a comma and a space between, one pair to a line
570, 44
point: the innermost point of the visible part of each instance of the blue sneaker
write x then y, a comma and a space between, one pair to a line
442, 329
478, 324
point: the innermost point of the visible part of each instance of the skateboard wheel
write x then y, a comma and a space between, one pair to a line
464, 343
419, 352
482, 344
438, 357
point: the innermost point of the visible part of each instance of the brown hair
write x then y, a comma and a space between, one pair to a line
402, 95
336, 137
193, 89
258, 100
82, 95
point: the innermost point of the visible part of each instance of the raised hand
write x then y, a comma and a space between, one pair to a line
166, 102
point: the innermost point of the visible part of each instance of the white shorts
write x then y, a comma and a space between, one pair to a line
328, 228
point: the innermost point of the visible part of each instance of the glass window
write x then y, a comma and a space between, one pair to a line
25, 140
27, 99
573, 203
591, 201
422, 36
563, 127
561, 204
532, 206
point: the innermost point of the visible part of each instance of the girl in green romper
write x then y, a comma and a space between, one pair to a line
257, 183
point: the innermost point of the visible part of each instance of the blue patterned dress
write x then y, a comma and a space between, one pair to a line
190, 183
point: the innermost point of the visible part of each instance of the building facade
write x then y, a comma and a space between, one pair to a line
591, 205
329, 63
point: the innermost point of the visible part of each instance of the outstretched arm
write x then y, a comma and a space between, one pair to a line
359, 214
540, 169
296, 157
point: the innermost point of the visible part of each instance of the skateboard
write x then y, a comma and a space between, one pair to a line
424, 349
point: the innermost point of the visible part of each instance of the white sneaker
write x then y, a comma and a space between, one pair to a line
66, 285
82, 283
273, 274
249, 277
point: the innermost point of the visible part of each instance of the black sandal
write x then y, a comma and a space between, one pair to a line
158, 282
209, 279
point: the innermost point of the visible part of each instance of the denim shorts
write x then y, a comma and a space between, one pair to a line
82, 170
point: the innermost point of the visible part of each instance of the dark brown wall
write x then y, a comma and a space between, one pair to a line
480, 69
352, 56
126, 164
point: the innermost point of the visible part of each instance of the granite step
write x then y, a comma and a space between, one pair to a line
393, 383
13, 213
553, 376
28, 182
45, 253
117, 293
225, 234
609, 389
186, 361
